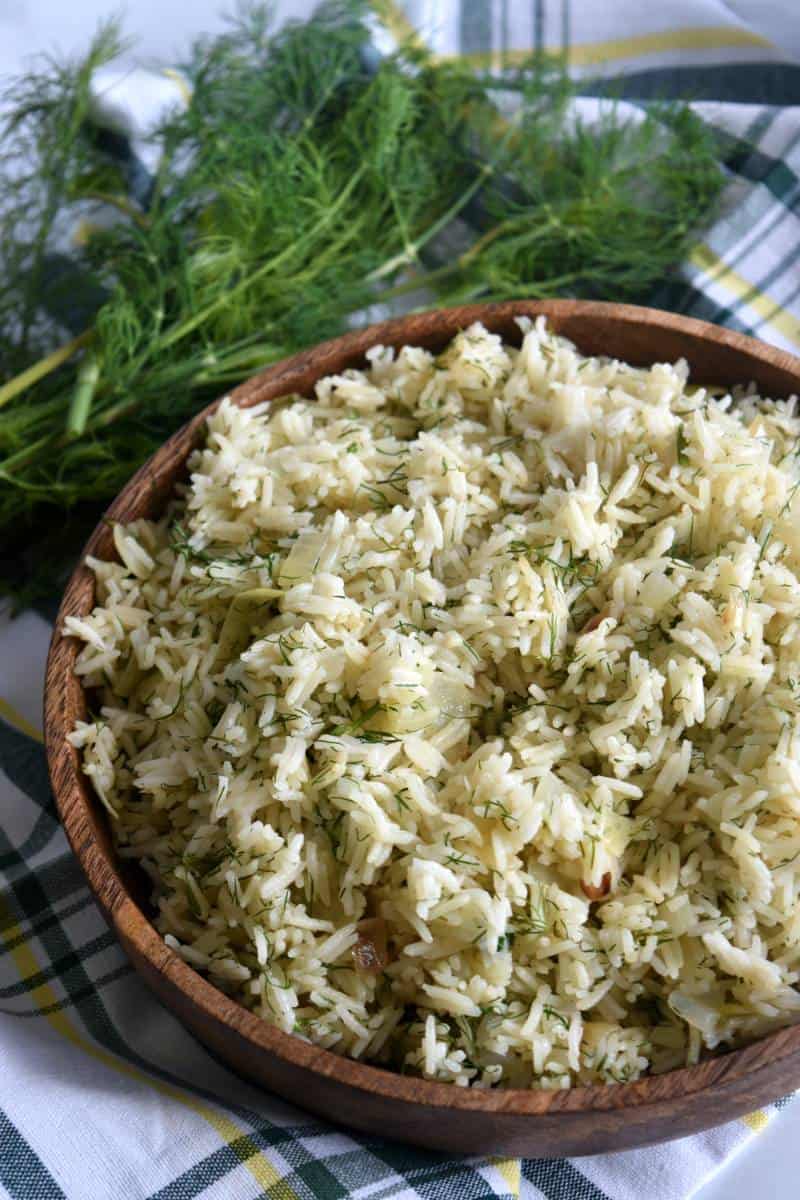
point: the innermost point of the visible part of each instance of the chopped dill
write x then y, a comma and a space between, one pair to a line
680, 440
553, 1014
766, 538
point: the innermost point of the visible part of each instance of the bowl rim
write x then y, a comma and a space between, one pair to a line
75, 798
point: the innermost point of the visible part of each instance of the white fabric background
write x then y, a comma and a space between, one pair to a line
162, 30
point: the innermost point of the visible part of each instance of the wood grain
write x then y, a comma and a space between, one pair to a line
584, 1120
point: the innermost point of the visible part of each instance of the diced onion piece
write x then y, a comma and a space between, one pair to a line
593, 892
404, 718
450, 696
242, 611
617, 833
370, 954
593, 623
440, 700
302, 560
694, 1012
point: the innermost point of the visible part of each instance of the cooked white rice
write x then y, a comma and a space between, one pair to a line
499, 650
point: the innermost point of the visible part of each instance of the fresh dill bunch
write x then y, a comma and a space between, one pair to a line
306, 181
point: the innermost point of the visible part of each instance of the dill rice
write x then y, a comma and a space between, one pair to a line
497, 780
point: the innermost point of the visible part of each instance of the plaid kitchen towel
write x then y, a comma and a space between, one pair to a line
102, 1093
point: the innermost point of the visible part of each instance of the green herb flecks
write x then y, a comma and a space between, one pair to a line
680, 445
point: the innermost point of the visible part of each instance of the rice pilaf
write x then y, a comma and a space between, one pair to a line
454, 713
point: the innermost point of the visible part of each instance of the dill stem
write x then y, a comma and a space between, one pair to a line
418, 281
44, 366
222, 377
540, 290
23, 456
453, 268
411, 252
487, 238
82, 397
266, 268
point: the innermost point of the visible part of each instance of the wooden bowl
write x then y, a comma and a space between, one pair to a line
583, 1120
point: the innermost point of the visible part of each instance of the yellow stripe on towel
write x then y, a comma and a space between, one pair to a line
771, 313
509, 1168
711, 37
18, 721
